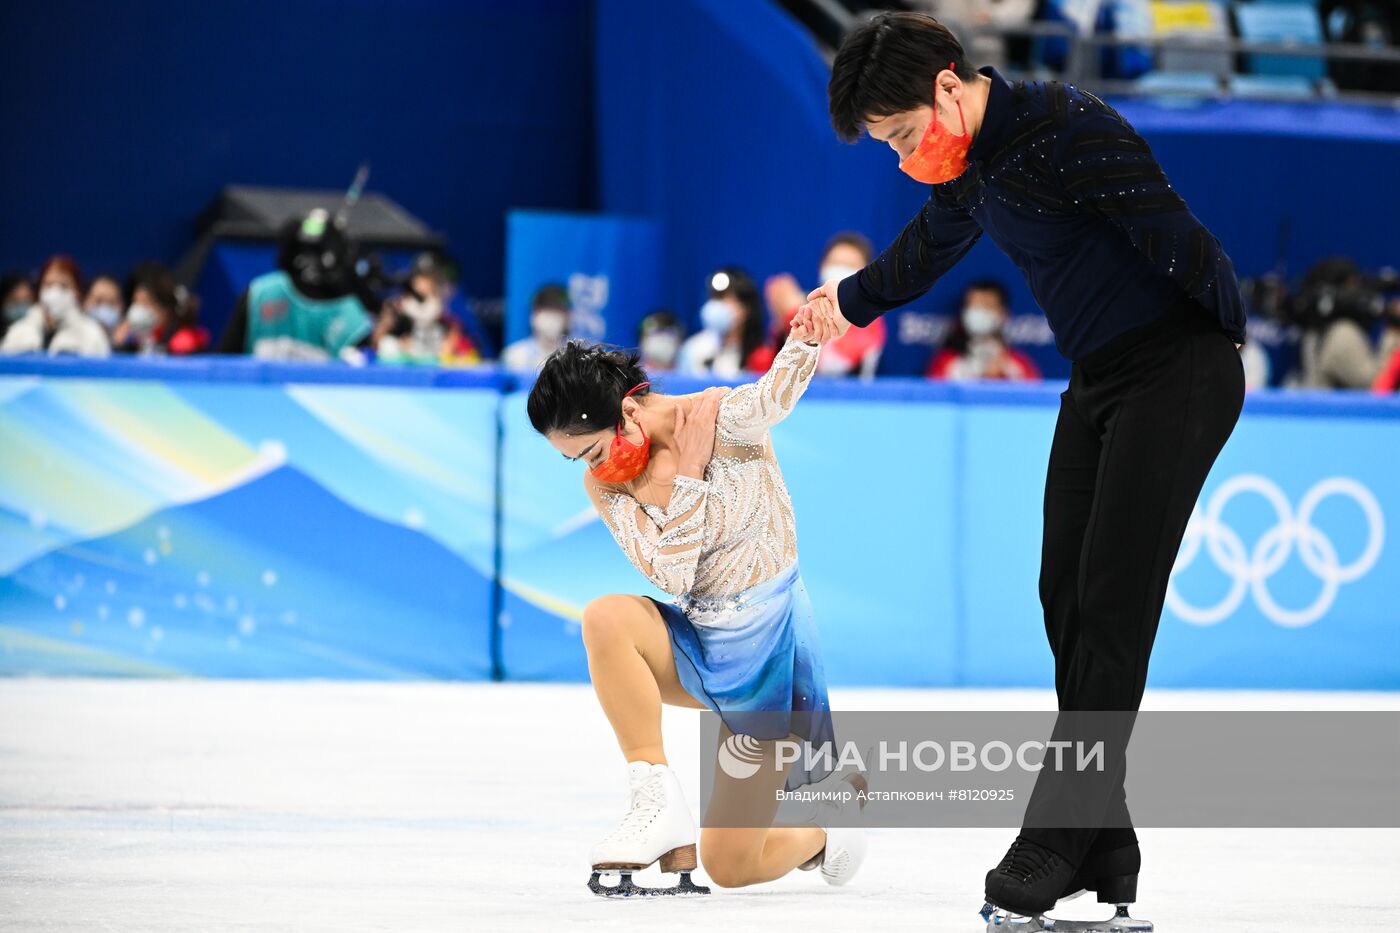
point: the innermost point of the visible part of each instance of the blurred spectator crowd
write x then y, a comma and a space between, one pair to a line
317, 305
1192, 47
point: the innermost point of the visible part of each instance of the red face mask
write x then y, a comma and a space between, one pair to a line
940, 156
625, 459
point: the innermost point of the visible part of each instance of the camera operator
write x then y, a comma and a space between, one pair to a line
1338, 308
313, 306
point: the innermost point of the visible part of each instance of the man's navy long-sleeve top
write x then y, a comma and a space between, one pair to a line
1075, 197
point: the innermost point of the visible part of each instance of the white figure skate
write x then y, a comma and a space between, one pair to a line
658, 827
841, 857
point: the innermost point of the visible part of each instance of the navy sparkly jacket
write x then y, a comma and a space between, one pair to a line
1075, 197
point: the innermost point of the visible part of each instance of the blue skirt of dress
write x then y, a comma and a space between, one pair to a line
756, 651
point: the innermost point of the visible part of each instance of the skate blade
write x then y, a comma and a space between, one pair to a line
625, 887
1003, 921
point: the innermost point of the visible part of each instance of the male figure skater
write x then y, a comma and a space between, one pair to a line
1141, 298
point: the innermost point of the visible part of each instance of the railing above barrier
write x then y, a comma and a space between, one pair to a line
214, 368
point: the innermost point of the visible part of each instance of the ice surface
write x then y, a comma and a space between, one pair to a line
218, 805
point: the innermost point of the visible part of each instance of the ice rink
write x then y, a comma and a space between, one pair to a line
218, 805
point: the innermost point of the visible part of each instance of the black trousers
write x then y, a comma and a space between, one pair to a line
1139, 428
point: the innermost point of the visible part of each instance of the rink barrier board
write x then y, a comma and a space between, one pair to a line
918, 509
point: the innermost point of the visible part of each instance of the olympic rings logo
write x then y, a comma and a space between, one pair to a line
1250, 570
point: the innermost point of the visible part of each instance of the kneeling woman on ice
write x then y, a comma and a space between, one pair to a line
690, 488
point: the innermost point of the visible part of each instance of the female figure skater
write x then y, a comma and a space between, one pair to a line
690, 488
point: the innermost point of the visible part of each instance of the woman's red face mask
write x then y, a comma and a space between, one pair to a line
625, 460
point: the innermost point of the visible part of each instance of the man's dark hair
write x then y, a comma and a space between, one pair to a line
887, 65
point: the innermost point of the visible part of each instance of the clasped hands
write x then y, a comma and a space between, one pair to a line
820, 320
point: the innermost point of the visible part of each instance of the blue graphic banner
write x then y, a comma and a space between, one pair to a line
611, 266
245, 530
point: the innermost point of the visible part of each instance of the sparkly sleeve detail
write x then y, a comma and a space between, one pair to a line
928, 246
668, 553
748, 412
1106, 167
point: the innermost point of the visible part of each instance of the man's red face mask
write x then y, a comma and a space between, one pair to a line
940, 155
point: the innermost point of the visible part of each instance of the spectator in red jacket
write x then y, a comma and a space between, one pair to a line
976, 346
854, 353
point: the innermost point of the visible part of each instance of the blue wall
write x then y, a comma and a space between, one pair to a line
124, 120
142, 506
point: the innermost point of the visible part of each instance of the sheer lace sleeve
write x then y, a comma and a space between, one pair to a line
750, 410
667, 553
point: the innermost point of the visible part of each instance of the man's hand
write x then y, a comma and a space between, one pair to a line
816, 322
821, 315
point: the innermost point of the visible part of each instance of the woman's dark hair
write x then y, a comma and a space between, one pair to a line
743, 289
179, 304
887, 65
850, 238
157, 280
579, 380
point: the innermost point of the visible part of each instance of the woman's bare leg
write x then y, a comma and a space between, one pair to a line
633, 671
737, 856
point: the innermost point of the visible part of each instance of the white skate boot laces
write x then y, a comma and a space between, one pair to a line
648, 798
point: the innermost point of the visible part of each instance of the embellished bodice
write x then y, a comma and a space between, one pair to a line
735, 528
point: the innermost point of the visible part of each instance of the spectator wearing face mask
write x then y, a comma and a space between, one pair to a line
57, 322
549, 325
103, 302
456, 308
854, 353
417, 328
976, 347
16, 298
163, 317
732, 338
659, 341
